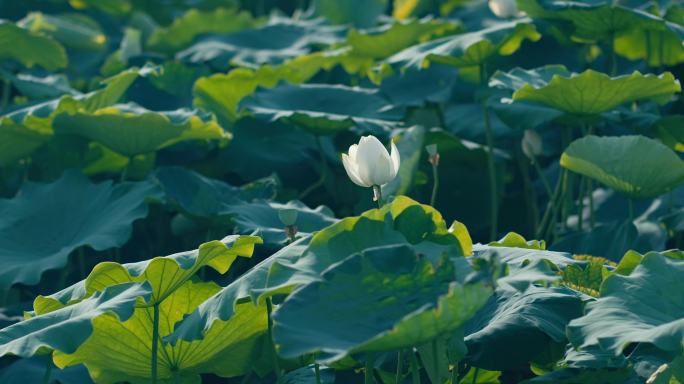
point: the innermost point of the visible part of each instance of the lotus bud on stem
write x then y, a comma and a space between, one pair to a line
289, 217
433, 159
370, 165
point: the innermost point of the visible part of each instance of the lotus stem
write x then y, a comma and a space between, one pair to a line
630, 205
400, 363
580, 204
368, 372
48, 370
435, 184
591, 204
317, 369
324, 170
415, 374
491, 170
542, 177
155, 341
276, 363
124, 171
477, 370
454, 373
377, 195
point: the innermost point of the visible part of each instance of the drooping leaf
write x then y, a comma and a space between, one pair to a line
68, 328
393, 302
639, 308
196, 22
589, 92
30, 48
322, 109
46, 222
514, 327
75, 31
119, 349
468, 50
626, 164
131, 130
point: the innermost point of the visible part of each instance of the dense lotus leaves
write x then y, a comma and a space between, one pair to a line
195, 23
230, 349
73, 30
403, 221
46, 222
575, 376
639, 308
636, 33
589, 92
30, 48
132, 130
221, 93
410, 146
518, 77
323, 109
521, 256
204, 197
32, 370
39, 87
426, 303
626, 164
466, 122
262, 216
414, 88
67, 328
360, 13
24, 130
279, 40
514, 327
470, 49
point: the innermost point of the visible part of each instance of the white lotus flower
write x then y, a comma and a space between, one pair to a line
369, 164
503, 8
531, 144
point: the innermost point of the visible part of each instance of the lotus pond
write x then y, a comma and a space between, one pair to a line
341, 191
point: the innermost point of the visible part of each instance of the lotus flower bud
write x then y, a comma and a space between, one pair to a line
287, 216
433, 154
369, 164
531, 144
503, 8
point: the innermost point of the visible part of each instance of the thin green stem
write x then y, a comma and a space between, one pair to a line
542, 177
530, 194
580, 203
124, 172
454, 373
477, 370
435, 353
435, 185
317, 369
592, 220
400, 368
550, 209
155, 341
276, 362
377, 195
368, 372
324, 170
630, 205
6, 90
48, 371
491, 169
613, 56
415, 374
176, 376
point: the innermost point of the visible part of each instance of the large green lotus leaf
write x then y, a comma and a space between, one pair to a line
468, 49
637, 34
515, 327
263, 216
321, 108
626, 164
414, 88
46, 222
592, 92
33, 371
380, 300
119, 349
221, 93
517, 255
75, 31
642, 307
24, 130
203, 197
360, 13
280, 40
39, 87
196, 22
30, 48
518, 77
131, 130
166, 274
401, 222
67, 328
